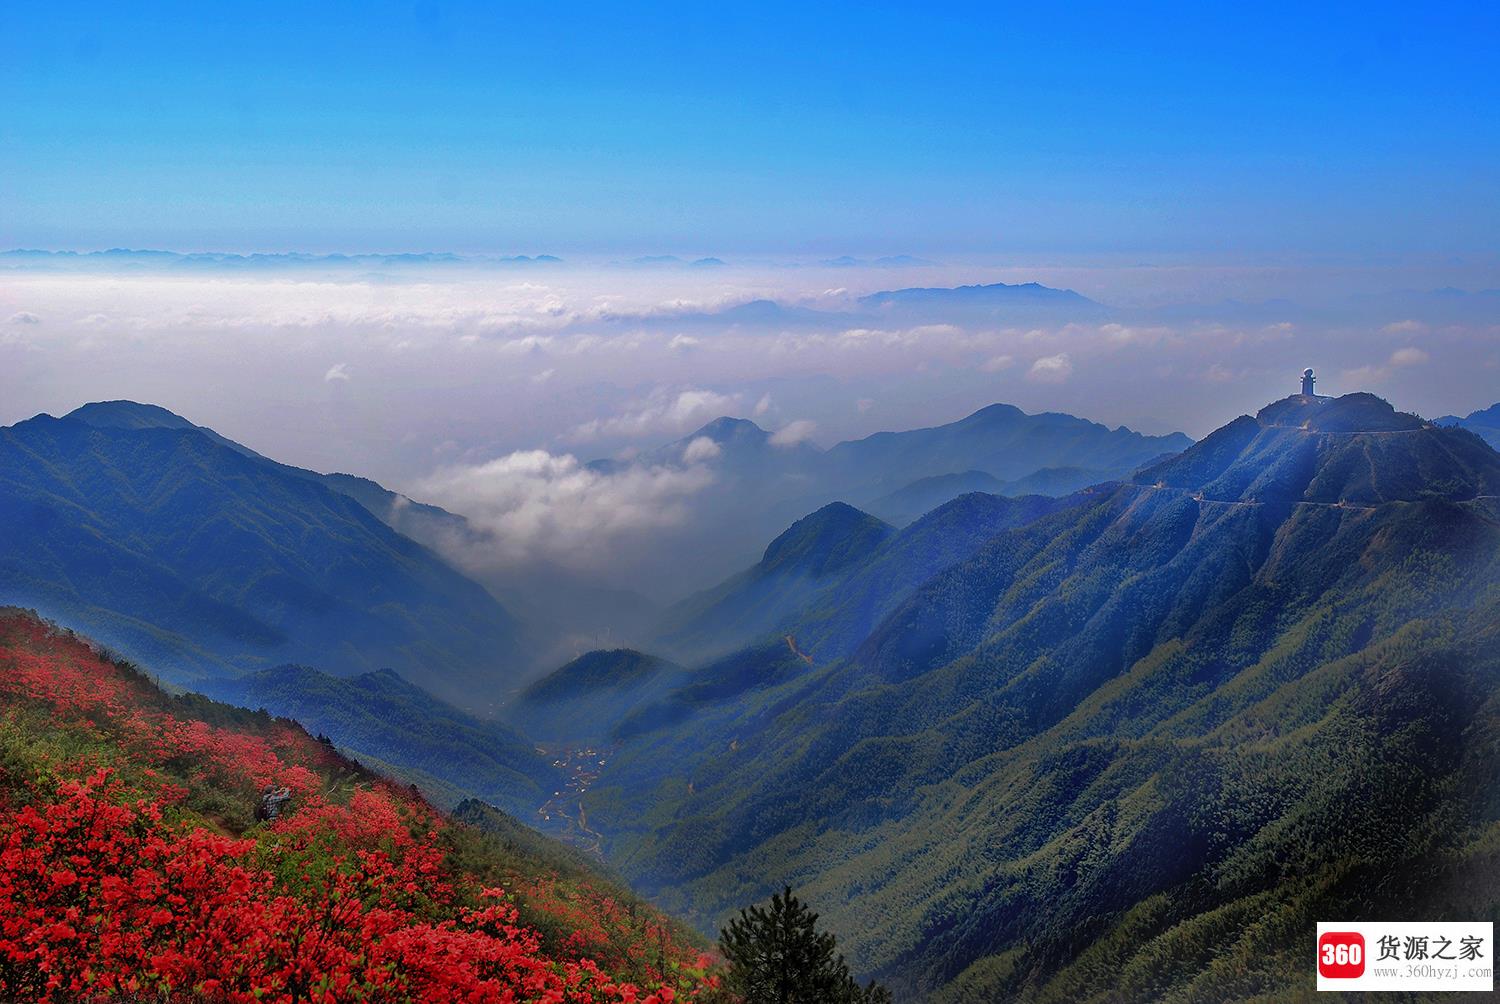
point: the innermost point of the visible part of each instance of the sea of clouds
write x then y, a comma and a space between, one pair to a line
488, 391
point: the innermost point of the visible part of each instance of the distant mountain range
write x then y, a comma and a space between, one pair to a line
1122, 745
144, 259
925, 494
887, 261
1485, 424
761, 485
993, 303
209, 559
993, 294
202, 558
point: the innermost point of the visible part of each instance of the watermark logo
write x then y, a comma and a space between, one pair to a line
1407, 956
1341, 955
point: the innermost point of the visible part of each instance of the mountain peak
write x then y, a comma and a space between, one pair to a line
1356, 450
127, 415
726, 429
825, 540
132, 415
993, 413
1351, 413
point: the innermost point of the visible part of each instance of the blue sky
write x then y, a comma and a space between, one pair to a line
1365, 132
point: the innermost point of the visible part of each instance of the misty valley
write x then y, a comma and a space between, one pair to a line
1013, 702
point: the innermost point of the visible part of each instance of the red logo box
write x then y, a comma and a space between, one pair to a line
1341, 955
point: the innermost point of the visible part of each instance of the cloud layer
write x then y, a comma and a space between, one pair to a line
537, 507
398, 377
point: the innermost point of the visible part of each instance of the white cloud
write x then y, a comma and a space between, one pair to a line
25, 317
1363, 377
543, 376
1376, 374
994, 364
1051, 369
664, 412
537, 506
701, 450
1123, 334
1404, 328
338, 371
763, 405
794, 433
681, 343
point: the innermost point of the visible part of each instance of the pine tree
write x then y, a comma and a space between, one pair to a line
778, 956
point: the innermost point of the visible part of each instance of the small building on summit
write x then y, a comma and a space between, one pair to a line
1307, 382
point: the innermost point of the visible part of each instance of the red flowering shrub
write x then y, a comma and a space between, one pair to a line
112, 883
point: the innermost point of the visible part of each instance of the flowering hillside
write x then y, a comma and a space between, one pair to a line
131, 864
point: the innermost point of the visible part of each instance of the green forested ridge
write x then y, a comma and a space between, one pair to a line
827, 612
203, 559
1130, 750
809, 555
844, 612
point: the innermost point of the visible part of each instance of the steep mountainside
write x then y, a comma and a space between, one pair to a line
380, 717
583, 701
810, 554
835, 621
176, 547
1131, 749
828, 621
133, 865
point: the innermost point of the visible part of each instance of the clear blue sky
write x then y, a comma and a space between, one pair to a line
1366, 130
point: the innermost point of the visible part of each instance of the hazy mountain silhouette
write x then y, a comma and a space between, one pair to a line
1484, 423
811, 553
585, 699
761, 486
202, 558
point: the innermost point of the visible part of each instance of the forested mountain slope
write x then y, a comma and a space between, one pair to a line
1133, 749
799, 619
810, 554
203, 558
